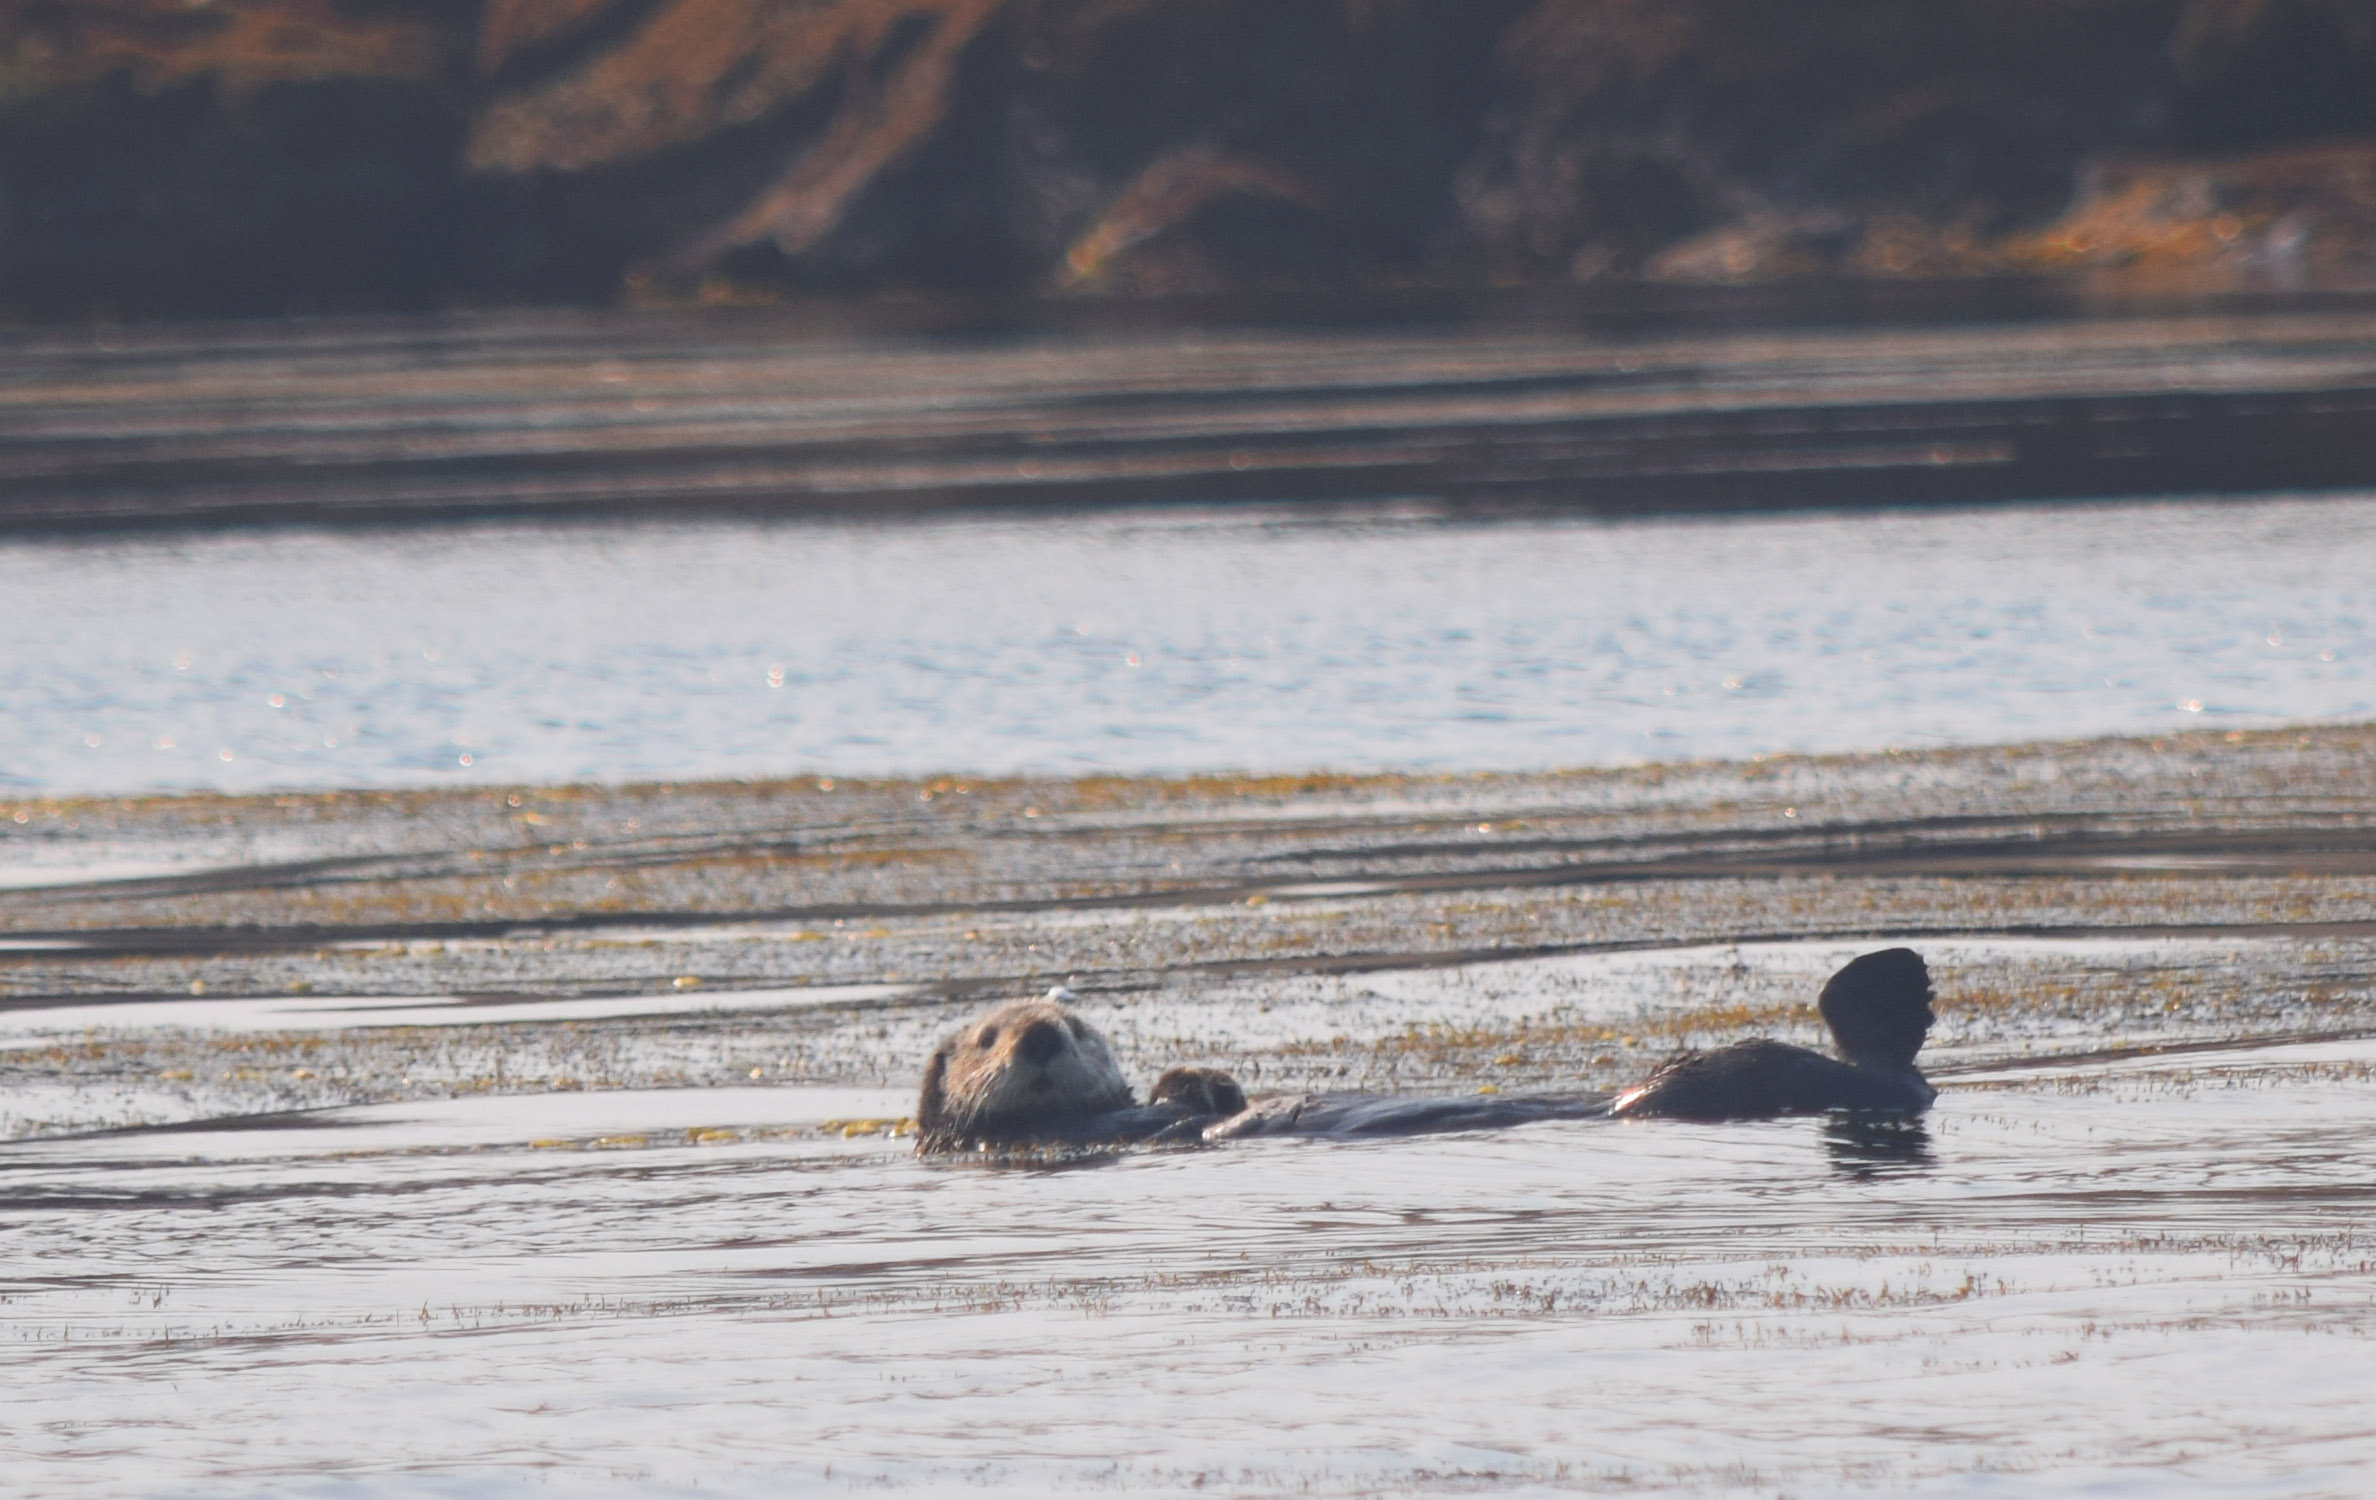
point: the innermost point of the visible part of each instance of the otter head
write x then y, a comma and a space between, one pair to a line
1026, 1066
1879, 1008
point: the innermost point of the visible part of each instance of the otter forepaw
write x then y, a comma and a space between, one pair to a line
1205, 1091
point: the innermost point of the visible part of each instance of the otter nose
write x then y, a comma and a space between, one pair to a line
1040, 1042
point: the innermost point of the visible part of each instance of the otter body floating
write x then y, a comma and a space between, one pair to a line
1879, 1010
1032, 1074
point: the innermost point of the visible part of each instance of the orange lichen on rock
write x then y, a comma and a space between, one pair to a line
395, 153
240, 44
693, 68
2276, 216
882, 122
509, 27
1906, 245
2303, 216
697, 68
1168, 192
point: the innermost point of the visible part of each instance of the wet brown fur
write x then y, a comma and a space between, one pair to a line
1203, 1091
1027, 1066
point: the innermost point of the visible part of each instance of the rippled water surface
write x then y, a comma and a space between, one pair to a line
2141, 1277
1161, 642
552, 1140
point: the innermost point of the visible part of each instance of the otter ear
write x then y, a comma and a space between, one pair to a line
932, 1105
1879, 1007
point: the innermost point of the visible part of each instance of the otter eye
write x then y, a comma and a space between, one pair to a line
988, 1038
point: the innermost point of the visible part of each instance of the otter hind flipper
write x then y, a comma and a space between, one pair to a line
1878, 1007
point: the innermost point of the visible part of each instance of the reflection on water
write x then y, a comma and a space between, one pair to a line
1151, 642
1866, 1146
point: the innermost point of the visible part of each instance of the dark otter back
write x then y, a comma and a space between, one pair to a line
1763, 1079
1879, 1008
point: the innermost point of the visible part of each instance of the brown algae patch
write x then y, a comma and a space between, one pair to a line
1309, 931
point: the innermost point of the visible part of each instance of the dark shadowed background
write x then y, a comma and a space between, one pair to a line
265, 156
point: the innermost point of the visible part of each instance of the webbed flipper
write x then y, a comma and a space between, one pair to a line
1878, 1007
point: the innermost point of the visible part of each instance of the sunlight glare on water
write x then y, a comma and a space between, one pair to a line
1161, 643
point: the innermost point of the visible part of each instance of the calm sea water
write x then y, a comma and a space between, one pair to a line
2140, 1278
1158, 642
2143, 1277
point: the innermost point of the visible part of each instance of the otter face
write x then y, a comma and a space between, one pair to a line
1024, 1067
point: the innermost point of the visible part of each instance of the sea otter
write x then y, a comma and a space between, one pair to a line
1033, 1074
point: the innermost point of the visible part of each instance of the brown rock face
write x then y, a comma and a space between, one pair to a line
160, 156
241, 46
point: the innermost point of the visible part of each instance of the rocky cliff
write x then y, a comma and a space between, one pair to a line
232, 156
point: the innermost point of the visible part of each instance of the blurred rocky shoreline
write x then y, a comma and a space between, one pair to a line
237, 157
